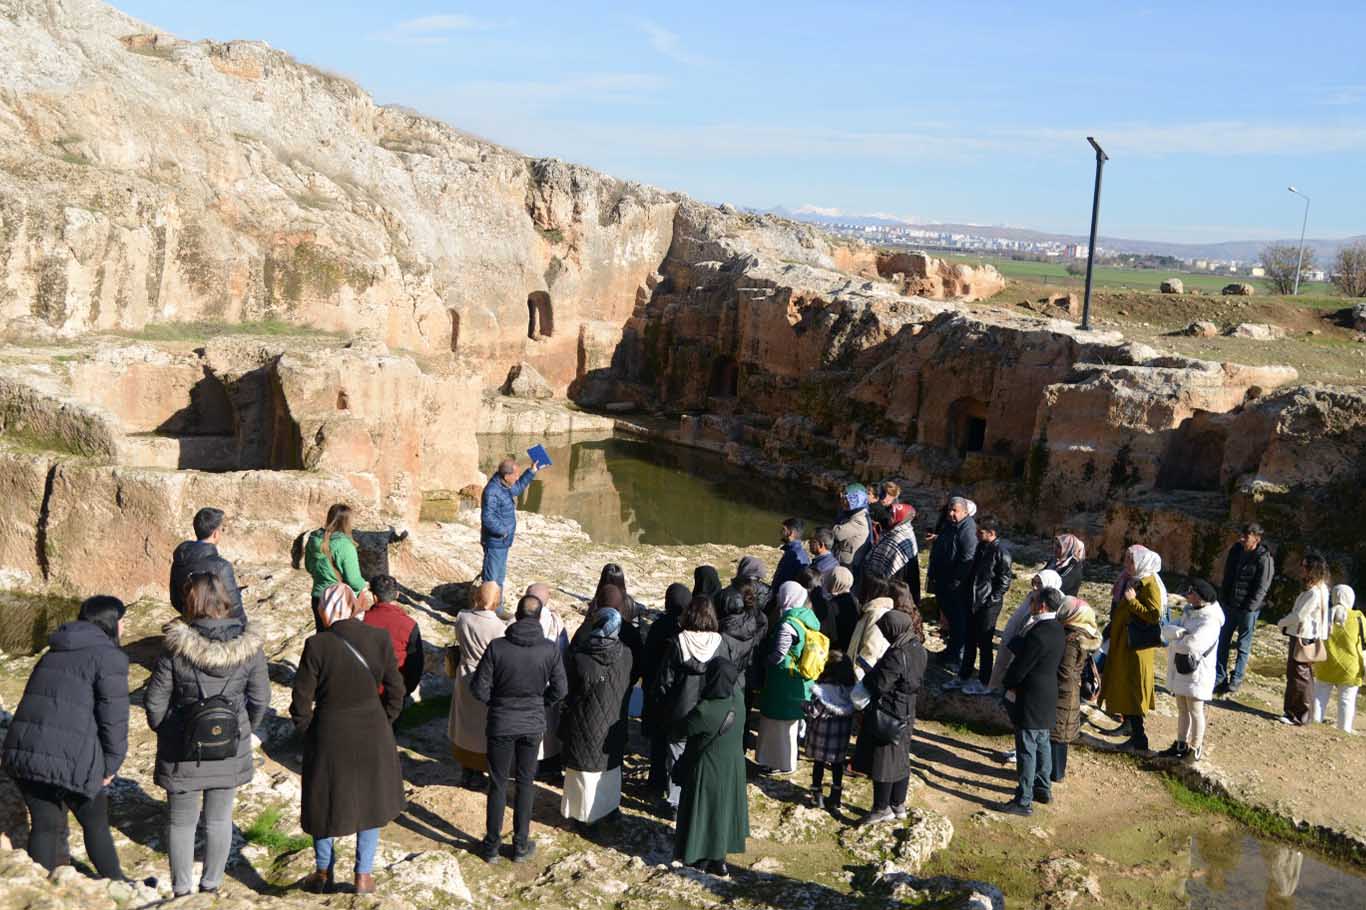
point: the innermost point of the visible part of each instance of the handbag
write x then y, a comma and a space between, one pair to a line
682, 769
886, 728
1143, 636
1308, 651
1186, 665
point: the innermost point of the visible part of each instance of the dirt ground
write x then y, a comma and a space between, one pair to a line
1315, 344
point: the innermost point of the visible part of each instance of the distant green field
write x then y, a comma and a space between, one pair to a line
1117, 278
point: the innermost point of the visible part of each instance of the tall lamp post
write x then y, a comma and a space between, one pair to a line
1101, 158
1303, 224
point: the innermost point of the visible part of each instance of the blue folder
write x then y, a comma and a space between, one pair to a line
539, 456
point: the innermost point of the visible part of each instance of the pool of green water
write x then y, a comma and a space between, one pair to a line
626, 491
26, 620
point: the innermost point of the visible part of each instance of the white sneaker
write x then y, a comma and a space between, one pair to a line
974, 687
953, 683
1008, 758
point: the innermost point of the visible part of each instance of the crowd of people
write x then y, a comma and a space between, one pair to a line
826, 657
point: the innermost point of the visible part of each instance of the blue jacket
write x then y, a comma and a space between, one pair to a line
794, 559
498, 510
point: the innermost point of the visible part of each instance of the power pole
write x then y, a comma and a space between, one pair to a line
1101, 158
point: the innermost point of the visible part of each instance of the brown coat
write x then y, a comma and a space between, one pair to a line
351, 776
1068, 724
1128, 685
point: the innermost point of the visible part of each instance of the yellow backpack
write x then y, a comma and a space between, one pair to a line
810, 664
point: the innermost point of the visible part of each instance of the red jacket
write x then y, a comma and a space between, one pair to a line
407, 639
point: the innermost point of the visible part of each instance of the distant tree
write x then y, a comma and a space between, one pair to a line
1280, 260
1076, 267
1349, 269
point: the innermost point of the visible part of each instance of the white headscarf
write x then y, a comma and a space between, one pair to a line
1049, 579
972, 507
791, 596
1343, 599
1146, 563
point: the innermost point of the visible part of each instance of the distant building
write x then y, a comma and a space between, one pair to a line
1314, 275
1077, 250
1257, 272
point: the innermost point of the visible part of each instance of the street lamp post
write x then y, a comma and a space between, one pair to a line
1303, 224
1101, 158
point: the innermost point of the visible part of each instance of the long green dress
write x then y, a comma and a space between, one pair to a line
713, 812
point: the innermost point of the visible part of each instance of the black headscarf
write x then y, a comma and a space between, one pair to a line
706, 581
675, 599
720, 679
897, 628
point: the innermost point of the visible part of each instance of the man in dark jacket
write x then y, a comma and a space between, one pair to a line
992, 573
1248, 572
498, 517
1031, 686
794, 557
69, 736
517, 677
951, 557
403, 630
820, 544
201, 555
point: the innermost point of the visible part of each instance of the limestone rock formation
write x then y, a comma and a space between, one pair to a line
1358, 317
927, 276
1257, 331
1238, 289
1172, 286
1201, 329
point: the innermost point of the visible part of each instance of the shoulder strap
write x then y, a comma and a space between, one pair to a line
726, 723
357, 655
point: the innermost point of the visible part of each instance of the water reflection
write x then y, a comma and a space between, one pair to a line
26, 620
625, 491
1232, 870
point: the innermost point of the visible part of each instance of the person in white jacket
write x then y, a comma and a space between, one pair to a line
1191, 667
1307, 627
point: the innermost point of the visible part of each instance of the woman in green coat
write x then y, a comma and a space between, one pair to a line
786, 692
713, 810
330, 557
1128, 686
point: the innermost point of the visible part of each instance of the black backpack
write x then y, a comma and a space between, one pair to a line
210, 727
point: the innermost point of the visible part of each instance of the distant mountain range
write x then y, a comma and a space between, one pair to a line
1242, 250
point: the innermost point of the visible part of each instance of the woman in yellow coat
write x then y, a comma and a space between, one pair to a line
1129, 686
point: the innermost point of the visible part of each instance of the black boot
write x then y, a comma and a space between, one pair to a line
834, 801
817, 800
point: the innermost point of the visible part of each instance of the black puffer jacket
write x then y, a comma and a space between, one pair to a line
517, 677
195, 556
744, 632
1247, 578
71, 727
678, 687
593, 722
993, 570
206, 658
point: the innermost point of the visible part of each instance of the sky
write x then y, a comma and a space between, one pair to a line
958, 112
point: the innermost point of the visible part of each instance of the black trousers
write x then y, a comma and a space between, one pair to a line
1059, 762
511, 755
889, 794
47, 839
910, 574
818, 775
981, 628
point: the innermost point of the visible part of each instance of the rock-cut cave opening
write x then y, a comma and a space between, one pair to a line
540, 316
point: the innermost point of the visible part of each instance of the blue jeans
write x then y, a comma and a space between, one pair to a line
495, 565
1243, 623
367, 842
956, 610
1034, 762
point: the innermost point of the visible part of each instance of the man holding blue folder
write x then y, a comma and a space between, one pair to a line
498, 512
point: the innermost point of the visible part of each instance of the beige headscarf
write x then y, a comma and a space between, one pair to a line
1077, 614
838, 581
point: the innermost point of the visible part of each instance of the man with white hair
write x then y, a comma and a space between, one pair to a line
951, 574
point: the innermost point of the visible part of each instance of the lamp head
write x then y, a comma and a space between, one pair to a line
1292, 189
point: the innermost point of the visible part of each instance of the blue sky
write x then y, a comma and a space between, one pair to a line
971, 112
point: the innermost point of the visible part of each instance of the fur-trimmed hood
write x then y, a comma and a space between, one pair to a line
211, 644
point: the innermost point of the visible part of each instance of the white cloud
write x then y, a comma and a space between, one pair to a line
612, 88
669, 44
433, 30
809, 209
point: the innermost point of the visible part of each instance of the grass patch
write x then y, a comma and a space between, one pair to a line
159, 51
266, 832
1263, 822
554, 235
23, 439
424, 711
202, 331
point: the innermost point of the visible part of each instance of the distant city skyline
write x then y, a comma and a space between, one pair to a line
969, 113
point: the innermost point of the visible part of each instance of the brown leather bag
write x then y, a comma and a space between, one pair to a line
1308, 651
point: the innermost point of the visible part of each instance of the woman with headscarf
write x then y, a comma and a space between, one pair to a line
843, 607
783, 701
1343, 669
655, 719
475, 628
1017, 623
884, 743
706, 581
593, 722
1081, 637
866, 642
1128, 687
679, 684
347, 693
853, 529
1306, 626
1069, 561
713, 811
